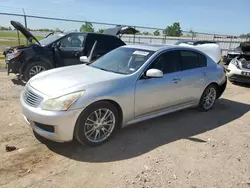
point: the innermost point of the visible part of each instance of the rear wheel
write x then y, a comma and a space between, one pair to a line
34, 68
208, 97
97, 123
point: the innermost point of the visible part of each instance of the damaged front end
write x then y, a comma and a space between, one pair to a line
13, 62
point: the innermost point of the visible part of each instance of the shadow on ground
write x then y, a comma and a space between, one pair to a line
143, 137
18, 82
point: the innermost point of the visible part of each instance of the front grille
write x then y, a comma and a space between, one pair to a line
231, 56
32, 98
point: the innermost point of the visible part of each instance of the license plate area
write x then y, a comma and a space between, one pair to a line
245, 73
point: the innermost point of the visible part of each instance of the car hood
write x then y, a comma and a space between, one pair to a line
18, 26
60, 81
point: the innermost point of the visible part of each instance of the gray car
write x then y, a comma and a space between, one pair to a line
129, 84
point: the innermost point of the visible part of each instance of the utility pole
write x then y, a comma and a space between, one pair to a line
25, 23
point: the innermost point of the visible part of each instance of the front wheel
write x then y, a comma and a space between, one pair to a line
34, 68
208, 98
97, 123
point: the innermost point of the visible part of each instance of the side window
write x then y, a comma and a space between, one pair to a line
192, 60
203, 60
167, 62
108, 43
73, 41
102, 44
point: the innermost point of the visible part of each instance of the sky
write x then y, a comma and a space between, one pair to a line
209, 16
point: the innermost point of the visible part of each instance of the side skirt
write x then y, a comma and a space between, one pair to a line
162, 112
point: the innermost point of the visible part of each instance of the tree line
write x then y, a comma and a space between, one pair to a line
173, 30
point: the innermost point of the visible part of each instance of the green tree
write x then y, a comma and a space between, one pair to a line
87, 27
146, 33
157, 33
100, 31
173, 30
245, 35
58, 30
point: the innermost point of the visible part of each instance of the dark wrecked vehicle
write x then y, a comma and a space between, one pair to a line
60, 49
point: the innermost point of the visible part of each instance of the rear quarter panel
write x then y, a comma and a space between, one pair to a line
216, 73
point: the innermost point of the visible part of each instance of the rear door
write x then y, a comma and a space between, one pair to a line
71, 48
194, 75
105, 44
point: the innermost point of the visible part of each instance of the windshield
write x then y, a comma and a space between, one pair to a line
237, 48
123, 60
50, 39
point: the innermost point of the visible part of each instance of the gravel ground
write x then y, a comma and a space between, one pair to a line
187, 149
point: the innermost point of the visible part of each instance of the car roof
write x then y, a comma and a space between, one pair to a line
195, 42
150, 47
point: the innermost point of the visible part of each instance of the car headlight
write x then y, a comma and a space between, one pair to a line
63, 102
235, 62
12, 55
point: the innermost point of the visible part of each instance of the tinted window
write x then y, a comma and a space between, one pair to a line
167, 62
73, 41
107, 43
203, 60
192, 60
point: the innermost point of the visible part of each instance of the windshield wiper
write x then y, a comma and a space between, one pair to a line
107, 70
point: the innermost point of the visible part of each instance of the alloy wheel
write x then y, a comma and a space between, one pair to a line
209, 98
99, 125
35, 70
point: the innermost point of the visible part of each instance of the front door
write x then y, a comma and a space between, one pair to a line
152, 94
70, 49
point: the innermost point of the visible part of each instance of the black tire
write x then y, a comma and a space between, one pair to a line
80, 131
26, 73
201, 105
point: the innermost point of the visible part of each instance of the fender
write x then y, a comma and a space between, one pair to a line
37, 58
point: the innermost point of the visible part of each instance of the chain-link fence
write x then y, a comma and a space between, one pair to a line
145, 35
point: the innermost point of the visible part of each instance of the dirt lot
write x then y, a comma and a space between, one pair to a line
186, 149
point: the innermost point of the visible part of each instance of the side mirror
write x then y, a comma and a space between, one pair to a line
84, 59
154, 73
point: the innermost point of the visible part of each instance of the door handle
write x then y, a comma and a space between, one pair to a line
205, 73
176, 80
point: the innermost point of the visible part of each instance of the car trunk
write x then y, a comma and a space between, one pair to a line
120, 30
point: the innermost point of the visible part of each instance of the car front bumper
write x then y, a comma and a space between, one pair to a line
57, 126
235, 74
13, 66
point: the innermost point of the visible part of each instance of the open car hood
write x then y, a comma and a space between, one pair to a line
18, 26
245, 46
120, 30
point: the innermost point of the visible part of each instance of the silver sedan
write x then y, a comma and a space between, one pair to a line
130, 84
